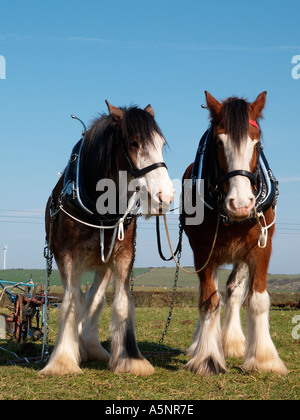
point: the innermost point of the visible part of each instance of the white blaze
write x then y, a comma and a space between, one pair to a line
156, 182
240, 195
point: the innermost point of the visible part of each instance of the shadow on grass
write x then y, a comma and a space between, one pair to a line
28, 355
21, 354
159, 356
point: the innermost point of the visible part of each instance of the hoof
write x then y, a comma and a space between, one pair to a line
275, 365
207, 367
97, 353
137, 367
60, 366
234, 348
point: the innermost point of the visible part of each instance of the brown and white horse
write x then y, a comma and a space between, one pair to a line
124, 140
235, 141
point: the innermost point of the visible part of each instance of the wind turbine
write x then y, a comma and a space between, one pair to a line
4, 257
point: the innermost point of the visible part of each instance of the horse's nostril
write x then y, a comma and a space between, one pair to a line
231, 205
240, 211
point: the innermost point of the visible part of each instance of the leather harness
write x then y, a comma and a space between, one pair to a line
207, 168
75, 195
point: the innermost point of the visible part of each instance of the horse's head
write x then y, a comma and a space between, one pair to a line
237, 137
142, 145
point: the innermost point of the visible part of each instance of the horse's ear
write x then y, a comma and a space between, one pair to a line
149, 109
258, 105
214, 107
115, 112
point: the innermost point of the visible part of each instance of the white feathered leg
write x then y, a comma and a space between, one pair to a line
65, 357
95, 300
206, 352
125, 356
261, 353
233, 338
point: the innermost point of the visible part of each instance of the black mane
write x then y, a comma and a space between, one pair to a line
138, 123
102, 142
235, 115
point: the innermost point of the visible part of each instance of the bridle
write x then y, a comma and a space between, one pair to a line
216, 188
137, 173
240, 172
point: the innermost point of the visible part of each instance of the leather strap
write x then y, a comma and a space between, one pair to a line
240, 172
136, 173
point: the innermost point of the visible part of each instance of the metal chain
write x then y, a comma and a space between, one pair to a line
49, 263
131, 275
169, 319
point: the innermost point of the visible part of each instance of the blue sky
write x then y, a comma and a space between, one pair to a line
67, 57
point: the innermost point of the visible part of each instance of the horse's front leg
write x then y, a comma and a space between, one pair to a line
95, 300
125, 356
260, 353
206, 350
65, 357
232, 334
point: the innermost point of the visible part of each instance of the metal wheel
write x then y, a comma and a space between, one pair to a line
18, 318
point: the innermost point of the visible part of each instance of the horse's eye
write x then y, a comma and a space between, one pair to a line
134, 144
219, 143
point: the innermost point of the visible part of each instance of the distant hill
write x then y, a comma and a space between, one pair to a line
160, 277
164, 277
39, 276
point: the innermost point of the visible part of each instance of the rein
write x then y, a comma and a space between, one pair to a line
180, 244
262, 241
159, 242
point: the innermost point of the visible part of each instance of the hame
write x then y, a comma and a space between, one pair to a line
2, 67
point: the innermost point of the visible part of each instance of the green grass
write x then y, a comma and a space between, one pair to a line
170, 380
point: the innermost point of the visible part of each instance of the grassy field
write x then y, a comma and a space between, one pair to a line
160, 277
39, 276
170, 381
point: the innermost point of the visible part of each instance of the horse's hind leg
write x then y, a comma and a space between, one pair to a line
206, 351
232, 334
95, 300
65, 357
125, 355
260, 351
